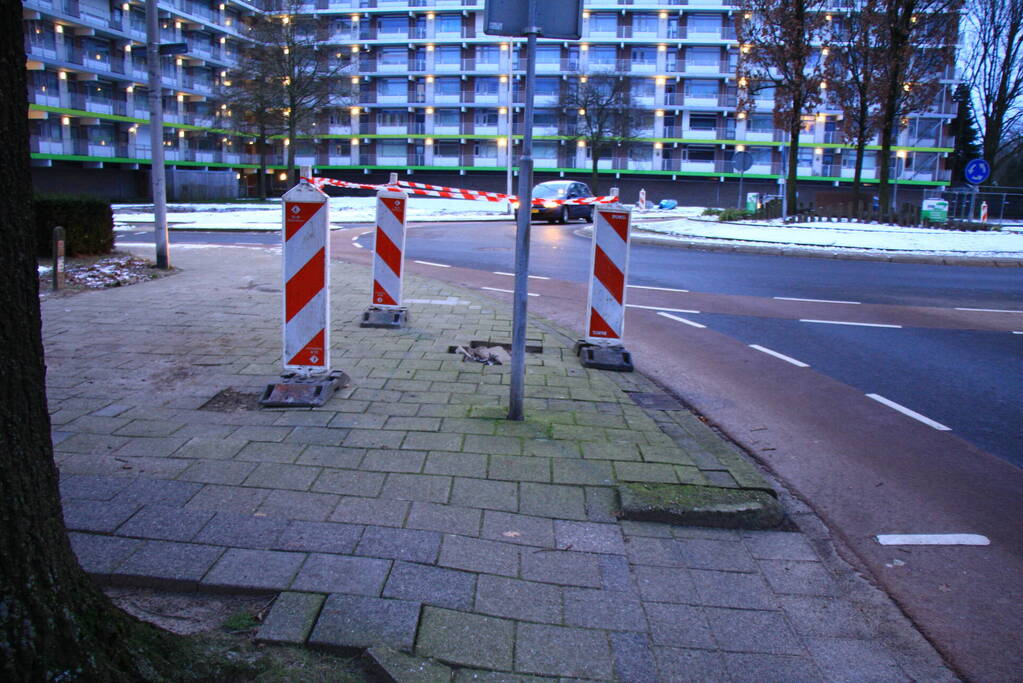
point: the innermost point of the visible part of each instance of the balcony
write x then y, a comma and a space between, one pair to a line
39, 145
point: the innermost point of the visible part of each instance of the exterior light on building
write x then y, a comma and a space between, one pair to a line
743, 82
125, 7
237, 176
287, 50
824, 85
127, 48
354, 110
745, 49
430, 16
821, 118
902, 154
658, 145
663, 15
227, 22
741, 115
58, 28
582, 112
907, 87
429, 141
429, 79
584, 47
580, 143
181, 97
504, 46
355, 80
659, 80
747, 15
285, 20
504, 79
223, 40
429, 48
65, 120
225, 141
227, 83
827, 17
429, 110
282, 176
177, 25
912, 19
355, 17
825, 52
287, 142
503, 110
62, 75
181, 133
130, 89
583, 79
586, 15
179, 61
740, 148
222, 7
662, 48
659, 112
818, 150
133, 130
502, 142
355, 142
355, 49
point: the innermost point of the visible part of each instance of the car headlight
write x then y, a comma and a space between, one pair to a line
550, 204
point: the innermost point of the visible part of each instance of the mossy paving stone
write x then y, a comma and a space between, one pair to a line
691, 505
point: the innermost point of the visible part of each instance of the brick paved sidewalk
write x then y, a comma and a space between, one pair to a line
407, 512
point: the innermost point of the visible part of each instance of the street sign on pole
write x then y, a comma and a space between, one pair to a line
560, 19
977, 171
742, 162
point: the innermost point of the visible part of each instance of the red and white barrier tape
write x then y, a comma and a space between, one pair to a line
425, 190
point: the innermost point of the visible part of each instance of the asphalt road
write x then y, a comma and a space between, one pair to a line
806, 363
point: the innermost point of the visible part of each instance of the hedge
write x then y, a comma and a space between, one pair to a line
88, 224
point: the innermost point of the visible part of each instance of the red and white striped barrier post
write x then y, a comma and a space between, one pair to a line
306, 303
605, 309
388, 262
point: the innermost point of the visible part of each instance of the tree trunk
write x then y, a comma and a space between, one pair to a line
290, 165
261, 180
861, 148
56, 624
795, 128
884, 171
594, 159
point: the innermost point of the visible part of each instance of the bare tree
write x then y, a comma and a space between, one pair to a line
852, 69
781, 43
916, 40
599, 111
994, 72
251, 100
309, 73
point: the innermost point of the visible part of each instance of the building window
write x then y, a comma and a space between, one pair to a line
393, 56
391, 148
488, 54
391, 87
644, 23
486, 85
446, 117
548, 54
701, 89
603, 55
545, 149
703, 121
761, 123
703, 56
391, 117
447, 86
603, 23
644, 55
447, 148
448, 23
485, 117
704, 23
485, 149
447, 55
699, 153
391, 25
548, 87
642, 87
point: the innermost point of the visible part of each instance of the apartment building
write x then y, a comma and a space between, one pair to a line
433, 94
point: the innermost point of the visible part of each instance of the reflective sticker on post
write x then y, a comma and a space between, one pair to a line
605, 310
306, 273
389, 249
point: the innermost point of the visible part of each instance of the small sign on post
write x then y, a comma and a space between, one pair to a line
58, 258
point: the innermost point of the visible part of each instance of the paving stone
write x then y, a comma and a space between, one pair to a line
477, 555
481, 493
320, 537
418, 487
546, 500
549, 448
268, 451
432, 441
332, 456
457, 464
665, 584
684, 666
320, 436
515, 599
299, 505
746, 630
374, 438
849, 660
242, 531
304, 418
91, 486
801, 578
398, 667
661, 552
633, 658
99, 554
379, 511
146, 491
679, 625
764, 668
519, 468
280, 476
291, 618
431, 585
602, 505
229, 472
91, 443
239, 499
611, 610
349, 621
394, 461
210, 448
493, 445
779, 545
267, 570
521, 529
645, 472
341, 574
589, 537
451, 519
560, 651
350, 482
464, 675
708, 554
400, 544
466, 639
825, 617
648, 529
92, 515
592, 472
149, 428
729, 589
561, 567
358, 421
162, 522
176, 566
465, 425
261, 433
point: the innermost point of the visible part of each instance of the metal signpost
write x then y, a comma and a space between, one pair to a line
527, 18
157, 175
58, 258
976, 172
741, 161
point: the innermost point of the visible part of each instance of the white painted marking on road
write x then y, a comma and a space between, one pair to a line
357, 245
531, 277
988, 310
506, 291
911, 413
782, 356
814, 301
682, 320
1017, 332
431, 263
932, 539
661, 308
659, 289
844, 322
450, 301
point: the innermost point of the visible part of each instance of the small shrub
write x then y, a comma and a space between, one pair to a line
711, 212
88, 224
734, 215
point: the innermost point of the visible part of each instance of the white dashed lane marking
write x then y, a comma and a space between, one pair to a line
431, 263
682, 320
932, 539
782, 356
658, 289
506, 291
661, 308
814, 301
844, 322
910, 413
988, 310
531, 277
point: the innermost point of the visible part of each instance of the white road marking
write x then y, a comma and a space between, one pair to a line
932, 539
682, 320
1019, 332
814, 301
532, 277
430, 263
911, 413
661, 308
506, 291
844, 322
659, 289
988, 310
782, 356
450, 301
357, 245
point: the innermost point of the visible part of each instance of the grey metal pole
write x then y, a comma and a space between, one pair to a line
511, 127
518, 355
895, 186
741, 175
156, 174
784, 185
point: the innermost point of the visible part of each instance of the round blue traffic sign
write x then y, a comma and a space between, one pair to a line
977, 171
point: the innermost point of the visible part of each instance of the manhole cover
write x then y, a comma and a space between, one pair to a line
230, 400
654, 401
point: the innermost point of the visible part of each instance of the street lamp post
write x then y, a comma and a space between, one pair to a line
900, 162
157, 174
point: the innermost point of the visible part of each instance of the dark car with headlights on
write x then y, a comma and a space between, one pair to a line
553, 210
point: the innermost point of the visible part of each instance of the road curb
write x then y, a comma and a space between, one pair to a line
705, 506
